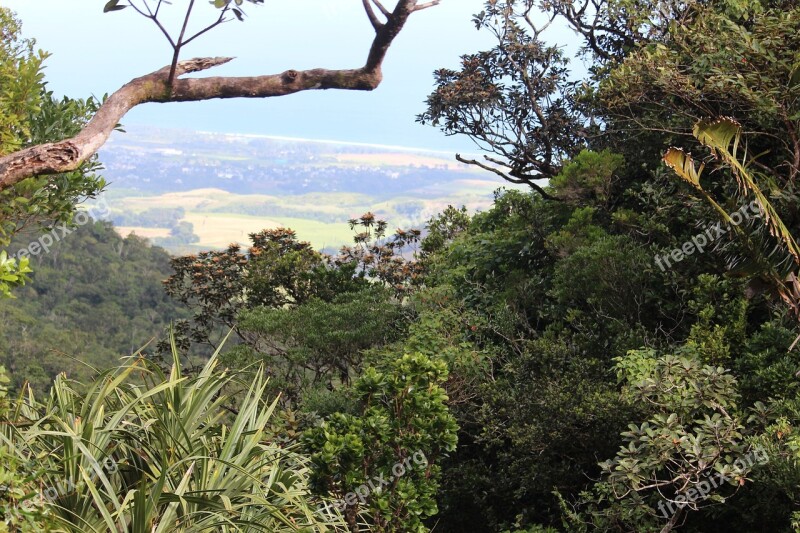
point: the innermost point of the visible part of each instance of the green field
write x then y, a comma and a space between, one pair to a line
318, 186
217, 230
220, 218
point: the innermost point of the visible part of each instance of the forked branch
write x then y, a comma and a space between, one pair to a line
161, 86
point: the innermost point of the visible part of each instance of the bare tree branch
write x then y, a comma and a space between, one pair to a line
386, 12
511, 177
373, 18
70, 154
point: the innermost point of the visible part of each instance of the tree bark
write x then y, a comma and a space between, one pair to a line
69, 154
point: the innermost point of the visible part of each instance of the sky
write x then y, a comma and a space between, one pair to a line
95, 53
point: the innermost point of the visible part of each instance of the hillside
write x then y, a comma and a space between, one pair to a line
95, 297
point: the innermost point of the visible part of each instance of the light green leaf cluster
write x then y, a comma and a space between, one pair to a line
139, 450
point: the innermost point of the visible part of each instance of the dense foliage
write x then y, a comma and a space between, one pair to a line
95, 297
613, 350
625, 323
145, 451
29, 115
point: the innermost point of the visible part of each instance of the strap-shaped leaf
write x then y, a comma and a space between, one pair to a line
722, 136
683, 165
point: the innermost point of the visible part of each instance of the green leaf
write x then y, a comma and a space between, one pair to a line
113, 5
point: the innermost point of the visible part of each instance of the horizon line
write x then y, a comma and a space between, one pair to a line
317, 141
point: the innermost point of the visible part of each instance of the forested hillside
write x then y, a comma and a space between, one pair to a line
613, 348
93, 299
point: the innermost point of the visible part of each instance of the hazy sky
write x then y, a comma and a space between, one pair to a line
94, 53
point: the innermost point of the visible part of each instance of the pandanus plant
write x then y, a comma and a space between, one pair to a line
770, 250
138, 450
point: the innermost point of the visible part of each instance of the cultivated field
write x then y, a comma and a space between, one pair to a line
228, 186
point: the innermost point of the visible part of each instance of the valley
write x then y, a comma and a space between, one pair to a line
197, 190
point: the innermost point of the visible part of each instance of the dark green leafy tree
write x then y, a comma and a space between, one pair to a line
276, 271
513, 101
306, 315
379, 463
320, 343
718, 59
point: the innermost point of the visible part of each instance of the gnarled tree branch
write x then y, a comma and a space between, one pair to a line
69, 154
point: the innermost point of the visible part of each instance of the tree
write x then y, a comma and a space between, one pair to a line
278, 270
689, 454
166, 85
512, 100
29, 114
307, 316
561, 289
718, 59
319, 344
380, 461
656, 67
